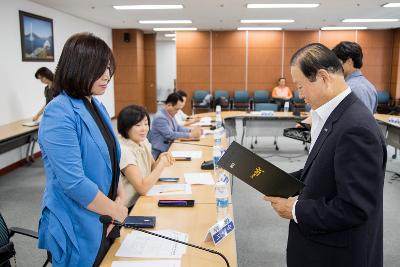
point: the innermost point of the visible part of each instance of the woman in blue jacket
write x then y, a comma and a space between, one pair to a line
81, 158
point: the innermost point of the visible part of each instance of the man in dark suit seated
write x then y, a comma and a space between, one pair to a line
337, 219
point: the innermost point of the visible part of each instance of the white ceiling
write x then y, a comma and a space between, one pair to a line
226, 14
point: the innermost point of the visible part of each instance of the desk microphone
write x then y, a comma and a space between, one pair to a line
105, 219
185, 143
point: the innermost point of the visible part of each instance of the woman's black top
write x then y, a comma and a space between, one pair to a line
112, 193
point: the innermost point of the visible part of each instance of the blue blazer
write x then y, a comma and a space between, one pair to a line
165, 129
340, 210
77, 165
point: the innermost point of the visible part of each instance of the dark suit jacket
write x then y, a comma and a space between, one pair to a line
339, 212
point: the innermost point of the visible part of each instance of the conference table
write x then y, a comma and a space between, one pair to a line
194, 221
390, 130
15, 134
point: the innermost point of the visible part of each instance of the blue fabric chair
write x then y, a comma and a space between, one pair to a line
197, 98
384, 102
261, 96
266, 106
241, 100
263, 107
307, 108
225, 94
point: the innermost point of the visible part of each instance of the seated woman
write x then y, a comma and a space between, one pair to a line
281, 93
139, 171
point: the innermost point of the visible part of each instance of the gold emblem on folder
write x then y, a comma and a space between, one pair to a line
256, 172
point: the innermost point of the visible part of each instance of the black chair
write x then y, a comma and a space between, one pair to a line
7, 251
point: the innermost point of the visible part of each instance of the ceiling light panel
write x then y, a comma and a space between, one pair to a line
249, 21
147, 7
173, 29
282, 5
179, 21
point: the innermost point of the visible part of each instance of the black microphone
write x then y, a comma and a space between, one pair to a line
105, 219
185, 143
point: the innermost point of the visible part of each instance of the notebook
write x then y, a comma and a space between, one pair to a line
259, 173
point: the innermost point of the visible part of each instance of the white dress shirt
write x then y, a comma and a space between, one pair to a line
318, 118
181, 117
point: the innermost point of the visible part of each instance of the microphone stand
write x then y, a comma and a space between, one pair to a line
181, 242
108, 220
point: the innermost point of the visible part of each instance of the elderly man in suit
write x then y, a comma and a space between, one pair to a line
165, 128
337, 218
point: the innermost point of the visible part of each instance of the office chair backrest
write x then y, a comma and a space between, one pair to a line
199, 95
266, 106
296, 97
4, 235
307, 108
241, 96
261, 96
383, 97
221, 93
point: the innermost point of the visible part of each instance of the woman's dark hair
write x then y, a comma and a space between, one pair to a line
130, 116
182, 93
314, 57
173, 99
44, 72
84, 59
281, 79
345, 50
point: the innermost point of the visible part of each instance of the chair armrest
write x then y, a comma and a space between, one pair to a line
23, 231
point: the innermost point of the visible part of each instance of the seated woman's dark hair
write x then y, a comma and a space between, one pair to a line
83, 60
130, 116
44, 72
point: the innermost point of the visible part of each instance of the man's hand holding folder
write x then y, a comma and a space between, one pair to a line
282, 206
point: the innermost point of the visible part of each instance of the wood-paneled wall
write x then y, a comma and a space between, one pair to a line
134, 81
193, 62
150, 72
256, 59
395, 78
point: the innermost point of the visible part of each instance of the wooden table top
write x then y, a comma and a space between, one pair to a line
194, 221
16, 128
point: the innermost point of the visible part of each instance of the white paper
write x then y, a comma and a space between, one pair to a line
194, 154
30, 123
205, 121
158, 263
170, 189
199, 178
142, 245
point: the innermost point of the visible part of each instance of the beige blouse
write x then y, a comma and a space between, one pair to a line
138, 155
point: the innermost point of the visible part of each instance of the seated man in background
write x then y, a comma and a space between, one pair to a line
181, 118
139, 171
281, 93
165, 129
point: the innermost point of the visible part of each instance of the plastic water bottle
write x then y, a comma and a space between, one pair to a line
218, 117
218, 133
221, 195
217, 154
286, 106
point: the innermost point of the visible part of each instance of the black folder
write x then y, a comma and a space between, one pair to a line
258, 172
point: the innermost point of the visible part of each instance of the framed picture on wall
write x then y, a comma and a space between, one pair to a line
37, 42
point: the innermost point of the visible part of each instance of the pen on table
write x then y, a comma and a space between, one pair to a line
171, 190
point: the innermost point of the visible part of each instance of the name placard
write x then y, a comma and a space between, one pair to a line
267, 113
220, 230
